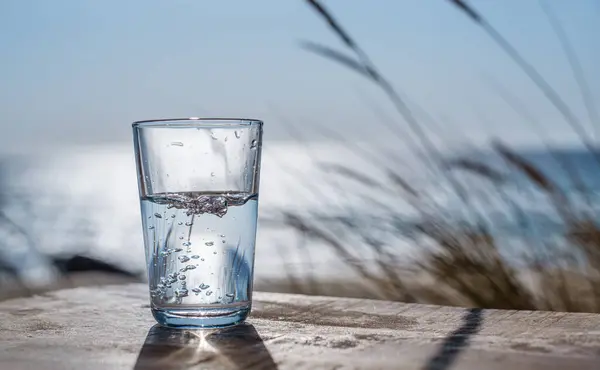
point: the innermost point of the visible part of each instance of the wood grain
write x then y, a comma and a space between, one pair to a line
111, 327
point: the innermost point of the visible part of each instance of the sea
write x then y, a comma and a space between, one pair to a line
84, 200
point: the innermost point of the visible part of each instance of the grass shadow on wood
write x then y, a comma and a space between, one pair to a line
456, 342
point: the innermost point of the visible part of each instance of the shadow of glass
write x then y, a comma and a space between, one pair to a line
238, 347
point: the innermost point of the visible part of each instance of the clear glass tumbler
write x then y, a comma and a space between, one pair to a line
198, 183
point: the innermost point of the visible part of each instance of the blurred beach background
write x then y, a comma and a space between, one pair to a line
468, 165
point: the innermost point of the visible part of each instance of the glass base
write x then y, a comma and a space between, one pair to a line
201, 318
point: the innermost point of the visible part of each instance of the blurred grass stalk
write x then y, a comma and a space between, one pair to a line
460, 263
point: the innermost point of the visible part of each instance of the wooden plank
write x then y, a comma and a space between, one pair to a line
111, 328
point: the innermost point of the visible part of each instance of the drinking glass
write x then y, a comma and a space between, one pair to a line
198, 183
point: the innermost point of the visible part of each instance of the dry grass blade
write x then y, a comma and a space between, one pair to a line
297, 223
403, 184
399, 290
467, 9
350, 173
559, 199
520, 108
551, 94
337, 56
319, 8
573, 62
433, 154
468, 260
462, 259
585, 234
532, 173
478, 168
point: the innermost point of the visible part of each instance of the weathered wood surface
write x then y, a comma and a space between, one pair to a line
111, 328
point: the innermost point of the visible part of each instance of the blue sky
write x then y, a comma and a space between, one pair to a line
77, 71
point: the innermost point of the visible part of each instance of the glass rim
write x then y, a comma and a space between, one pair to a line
197, 122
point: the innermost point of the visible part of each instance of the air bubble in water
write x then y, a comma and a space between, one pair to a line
253, 145
182, 277
157, 215
229, 295
190, 267
215, 252
222, 235
212, 174
177, 143
196, 290
181, 292
204, 286
209, 292
180, 223
177, 250
202, 259
238, 134
186, 244
212, 135
173, 215
211, 204
189, 223
150, 227
183, 258
209, 243
195, 256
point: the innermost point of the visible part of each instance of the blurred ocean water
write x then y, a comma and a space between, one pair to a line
84, 200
